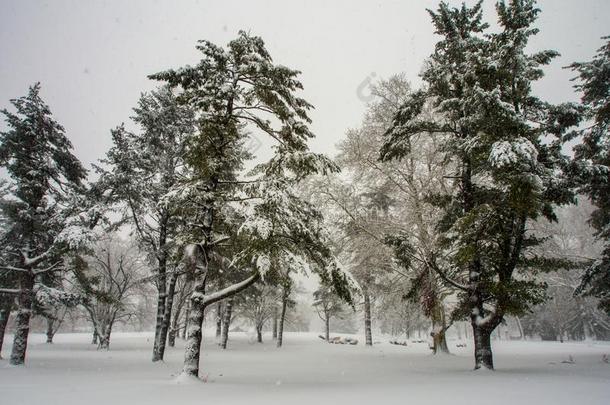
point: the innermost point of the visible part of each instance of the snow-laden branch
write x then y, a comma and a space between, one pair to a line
231, 290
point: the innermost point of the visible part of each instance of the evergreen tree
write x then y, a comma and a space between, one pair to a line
233, 90
42, 211
506, 145
592, 165
138, 171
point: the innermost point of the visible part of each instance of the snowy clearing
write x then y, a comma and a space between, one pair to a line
306, 370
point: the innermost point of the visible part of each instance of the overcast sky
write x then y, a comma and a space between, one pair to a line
93, 57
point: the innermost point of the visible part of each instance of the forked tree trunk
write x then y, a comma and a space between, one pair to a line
368, 336
280, 329
167, 315
5, 312
22, 321
226, 324
50, 331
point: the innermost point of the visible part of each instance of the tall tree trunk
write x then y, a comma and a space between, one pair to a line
161, 298
169, 303
368, 336
226, 324
275, 315
218, 319
327, 327
5, 312
162, 291
95, 336
50, 331
280, 329
22, 321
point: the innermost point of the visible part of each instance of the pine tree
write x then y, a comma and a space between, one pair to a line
506, 144
591, 165
137, 172
42, 211
233, 90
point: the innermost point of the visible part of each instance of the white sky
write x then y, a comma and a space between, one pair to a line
93, 57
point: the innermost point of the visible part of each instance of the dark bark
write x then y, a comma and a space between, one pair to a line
5, 312
50, 330
169, 302
482, 347
226, 324
274, 321
280, 329
368, 337
259, 333
94, 339
22, 321
162, 290
218, 319
327, 327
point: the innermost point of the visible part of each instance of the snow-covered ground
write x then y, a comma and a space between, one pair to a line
306, 370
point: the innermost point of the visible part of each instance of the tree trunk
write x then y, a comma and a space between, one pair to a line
5, 312
483, 355
167, 315
173, 330
521, 334
439, 328
368, 337
218, 319
275, 315
226, 324
327, 327
94, 338
192, 350
50, 331
187, 316
259, 333
280, 329
22, 321
161, 297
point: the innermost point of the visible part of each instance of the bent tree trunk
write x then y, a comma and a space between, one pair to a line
22, 321
368, 337
226, 324
280, 328
5, 312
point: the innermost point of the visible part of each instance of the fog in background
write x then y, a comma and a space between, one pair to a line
93, 57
